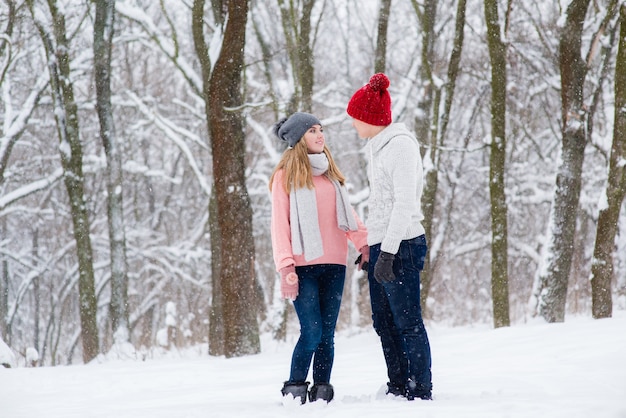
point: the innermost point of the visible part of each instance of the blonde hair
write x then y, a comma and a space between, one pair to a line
298, 174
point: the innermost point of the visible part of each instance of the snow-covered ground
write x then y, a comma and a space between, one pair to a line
574, 369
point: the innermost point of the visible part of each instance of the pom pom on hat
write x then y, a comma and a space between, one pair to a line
372, 103
293, 128
379, 82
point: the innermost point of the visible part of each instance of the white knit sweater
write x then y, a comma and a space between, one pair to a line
396, 180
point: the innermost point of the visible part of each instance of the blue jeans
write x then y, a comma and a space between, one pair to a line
320, 290
397, 318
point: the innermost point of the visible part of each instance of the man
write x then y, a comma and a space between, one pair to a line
396, 239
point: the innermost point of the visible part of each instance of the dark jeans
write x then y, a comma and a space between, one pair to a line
397, 318
317, 305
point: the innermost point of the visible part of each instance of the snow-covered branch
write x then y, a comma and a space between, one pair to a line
176, 135
31, 188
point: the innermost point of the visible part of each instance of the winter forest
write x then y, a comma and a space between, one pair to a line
136, 147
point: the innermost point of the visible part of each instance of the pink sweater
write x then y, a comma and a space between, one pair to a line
334, 240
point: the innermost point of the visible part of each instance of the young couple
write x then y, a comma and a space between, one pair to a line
312, 221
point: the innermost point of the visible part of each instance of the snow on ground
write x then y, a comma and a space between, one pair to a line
570, 370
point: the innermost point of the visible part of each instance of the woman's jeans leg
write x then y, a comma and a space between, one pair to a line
397, 318
317, 305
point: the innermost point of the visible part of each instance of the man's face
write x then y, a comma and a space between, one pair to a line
362, 129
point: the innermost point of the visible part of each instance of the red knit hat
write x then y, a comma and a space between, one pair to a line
372, 103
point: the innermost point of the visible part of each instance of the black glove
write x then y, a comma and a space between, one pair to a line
383, 270
365, 264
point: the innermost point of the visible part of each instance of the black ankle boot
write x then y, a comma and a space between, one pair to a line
295, 389
322, 391
395, 389
418, 391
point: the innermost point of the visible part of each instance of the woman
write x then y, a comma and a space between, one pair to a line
312, 221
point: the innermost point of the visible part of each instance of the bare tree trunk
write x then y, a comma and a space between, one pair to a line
428, 103
608, 218
102, 44
551, 291
297, 29
305, 57
220, 10
423, 123
36, 291
424, 118
499, 230
66, 115
4, 291
223, 97
453, 70
380, 58
14, 126
4, 42
431, 126
216, 326
266, 52
9, 21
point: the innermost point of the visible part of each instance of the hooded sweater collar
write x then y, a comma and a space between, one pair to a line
379, 141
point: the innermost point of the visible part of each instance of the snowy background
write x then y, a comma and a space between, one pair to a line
570, 370
531, 369
160, 119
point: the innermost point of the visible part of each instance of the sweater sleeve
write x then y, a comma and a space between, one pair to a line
280, 224
402, 161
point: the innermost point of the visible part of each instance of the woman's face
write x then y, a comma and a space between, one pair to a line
314, 139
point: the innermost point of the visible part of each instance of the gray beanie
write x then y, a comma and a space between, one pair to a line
293, 128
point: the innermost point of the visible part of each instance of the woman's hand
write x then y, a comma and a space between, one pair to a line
288, 283
363, 259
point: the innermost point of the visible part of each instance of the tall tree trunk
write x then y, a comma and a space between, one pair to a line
426, 113
66, 115
258, 25
216, 326
102, 44
220, 10
551, 289
380, 58
4, 290
431, 126
36, 292
224, 98
305, 59
608, 218
497, 163
297, 29
4, 42
425, 135
453, 70
8, 21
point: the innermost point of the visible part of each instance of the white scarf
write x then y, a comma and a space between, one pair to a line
305, 230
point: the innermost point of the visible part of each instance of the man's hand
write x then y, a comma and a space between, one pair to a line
383, 270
